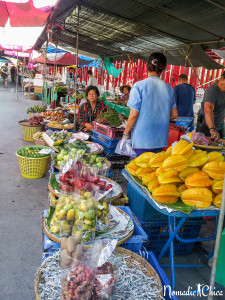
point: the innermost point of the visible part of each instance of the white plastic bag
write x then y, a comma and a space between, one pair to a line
124, 148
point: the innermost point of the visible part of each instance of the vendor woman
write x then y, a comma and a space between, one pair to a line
152, 106
125, 90
89, 111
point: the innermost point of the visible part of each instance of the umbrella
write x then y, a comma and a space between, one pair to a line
4, 60
22, 13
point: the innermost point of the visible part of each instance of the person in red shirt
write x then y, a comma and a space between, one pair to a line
89, 111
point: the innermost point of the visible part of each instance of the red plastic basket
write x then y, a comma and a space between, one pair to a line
112, 132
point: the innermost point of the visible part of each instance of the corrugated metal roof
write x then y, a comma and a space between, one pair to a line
138, 27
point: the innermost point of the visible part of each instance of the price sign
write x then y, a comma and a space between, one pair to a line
107, 252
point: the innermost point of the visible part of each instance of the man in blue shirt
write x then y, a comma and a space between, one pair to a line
184, 95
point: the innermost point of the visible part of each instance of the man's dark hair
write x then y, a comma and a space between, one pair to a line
70, 69
91, 87
183, 77
89, 72
157, 62
6, 64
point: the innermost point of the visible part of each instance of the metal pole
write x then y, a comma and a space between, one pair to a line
17, 78
75, 100
44, 72
217, 244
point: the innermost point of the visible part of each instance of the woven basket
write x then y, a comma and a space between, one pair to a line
32, 168
29, 131
131, 260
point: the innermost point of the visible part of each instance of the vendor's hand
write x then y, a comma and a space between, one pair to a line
125, 136
214, 135
88, 127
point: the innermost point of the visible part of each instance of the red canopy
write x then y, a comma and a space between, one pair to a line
22, 14
65, 60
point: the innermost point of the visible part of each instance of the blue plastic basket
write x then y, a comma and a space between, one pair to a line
106, 148
140, 206
158, 234
139, 237
167, 289
111, 143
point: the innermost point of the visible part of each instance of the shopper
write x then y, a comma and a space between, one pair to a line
184, 94
152, 105
212, 112
125, 89
70, 76
92, 81
13, 73
4, 74
89, 111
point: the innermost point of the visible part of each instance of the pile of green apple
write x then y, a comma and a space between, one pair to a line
64, 155
90, 160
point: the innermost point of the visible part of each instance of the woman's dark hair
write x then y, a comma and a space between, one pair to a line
157, 62
91, 87
6, 64
89, 72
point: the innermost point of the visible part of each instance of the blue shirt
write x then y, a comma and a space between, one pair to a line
184, 95
153, 99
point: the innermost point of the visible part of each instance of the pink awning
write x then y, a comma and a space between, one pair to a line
22, 14
15, 48
65, 60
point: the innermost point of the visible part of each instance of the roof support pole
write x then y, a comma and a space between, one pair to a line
77, 52
217, 244
17, 77
44, 71
187, 58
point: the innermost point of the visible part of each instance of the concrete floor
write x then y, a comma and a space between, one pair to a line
22, 202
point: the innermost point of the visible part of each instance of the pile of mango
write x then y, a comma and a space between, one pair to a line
181, 172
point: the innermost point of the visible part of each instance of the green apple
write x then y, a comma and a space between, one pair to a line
66, 157
60, 162
60, 156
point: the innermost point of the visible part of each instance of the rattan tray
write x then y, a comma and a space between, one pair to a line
56, 194
27, 123
58, 240
131, 260
205, 147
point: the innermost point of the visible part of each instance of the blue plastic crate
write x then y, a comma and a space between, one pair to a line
106, 148
158, 234
139, 237
140, 206
111, 143
167, 289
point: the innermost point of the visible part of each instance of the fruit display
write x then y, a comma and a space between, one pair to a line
69, 247
79, 177
58, 116
35, 120
38, 136
32, 152
36, 109
105, 282
59, 125
181, 172
75, 151
59, 135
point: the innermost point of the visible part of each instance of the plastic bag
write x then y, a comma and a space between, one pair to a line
199, 138
124, 148
79, 281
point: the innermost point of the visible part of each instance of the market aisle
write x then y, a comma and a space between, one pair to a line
22, 201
